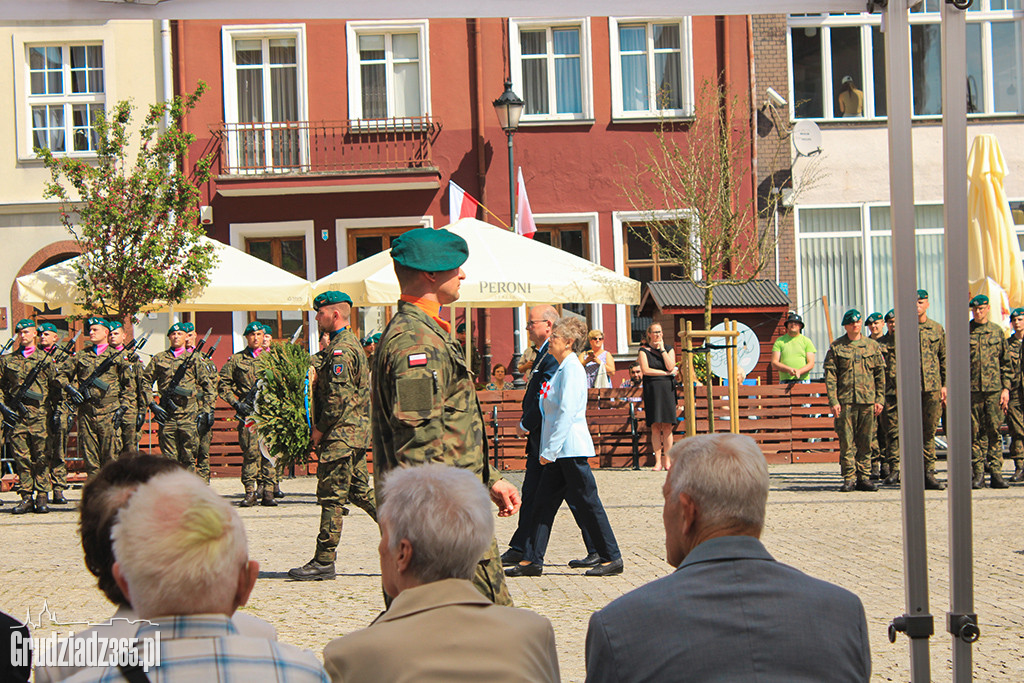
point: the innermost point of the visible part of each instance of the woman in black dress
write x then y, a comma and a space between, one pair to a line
659, 365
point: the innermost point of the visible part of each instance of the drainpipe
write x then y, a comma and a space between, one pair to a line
481, 176
166, 66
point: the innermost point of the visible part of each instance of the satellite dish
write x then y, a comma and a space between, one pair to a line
806, 138
748, 351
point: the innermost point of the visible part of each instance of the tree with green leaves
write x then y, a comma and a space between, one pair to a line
136, 220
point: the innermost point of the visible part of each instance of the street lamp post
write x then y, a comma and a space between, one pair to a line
509, 107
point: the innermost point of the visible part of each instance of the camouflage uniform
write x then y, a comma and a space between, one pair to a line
990, 375
425, 409
933, 378
97, 433
1015, 412
178, 436
342, 407
57, 419
28, 437
855, 380
237, 377
127, 434
209, 370
890, 414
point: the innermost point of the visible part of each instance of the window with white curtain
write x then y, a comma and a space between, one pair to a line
387, 70
652, 67
66, 94
551, 69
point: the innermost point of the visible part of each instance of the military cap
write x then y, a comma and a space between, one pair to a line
24, 324
429, 250
372, 339
795, 318
253, 327
47, 327
874, 317
851, 316
980, 300
330, 297
176, 327
115, 325
95, 320
188, 327
922, 294
1015, 313
267, 329
461, 328
891, 315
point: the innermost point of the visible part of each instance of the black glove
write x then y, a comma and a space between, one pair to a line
119, 417
74, 394
55, 421
140, 420
159, 414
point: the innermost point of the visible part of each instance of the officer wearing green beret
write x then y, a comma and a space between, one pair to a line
1015, 411
179, 436
57, 432
876, 330
855, 381
106, 402
127, 431
990, 394
933, 384
27, 437
341, 431
237, 381
890, 414
425, 407
208, 369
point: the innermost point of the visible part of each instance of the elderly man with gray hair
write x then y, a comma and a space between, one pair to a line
435, 525
182, 560
729, 612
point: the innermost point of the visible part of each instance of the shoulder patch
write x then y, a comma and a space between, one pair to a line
417, 360
338, 368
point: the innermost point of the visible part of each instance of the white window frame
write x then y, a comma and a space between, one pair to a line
66, 99
685, 63
590, 220
353, 29
865, 22
229, 34
586, 68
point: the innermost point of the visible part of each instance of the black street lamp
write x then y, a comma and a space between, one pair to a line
509, 107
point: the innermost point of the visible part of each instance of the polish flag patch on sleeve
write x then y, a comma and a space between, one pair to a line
417, 360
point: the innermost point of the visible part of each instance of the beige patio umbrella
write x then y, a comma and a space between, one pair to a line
238, 282
994, 258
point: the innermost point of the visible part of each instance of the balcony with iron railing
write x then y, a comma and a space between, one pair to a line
302, 148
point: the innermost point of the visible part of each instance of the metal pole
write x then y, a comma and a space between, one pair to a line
958, 425
517, 347
917, 621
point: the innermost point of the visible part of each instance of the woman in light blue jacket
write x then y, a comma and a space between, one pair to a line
565, 445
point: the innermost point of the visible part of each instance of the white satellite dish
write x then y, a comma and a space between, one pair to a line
748, 351
806, 138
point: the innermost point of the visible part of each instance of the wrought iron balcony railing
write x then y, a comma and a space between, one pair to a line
326, 147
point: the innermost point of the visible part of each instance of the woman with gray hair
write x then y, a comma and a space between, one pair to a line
565, 445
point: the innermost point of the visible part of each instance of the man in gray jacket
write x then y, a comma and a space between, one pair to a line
729, 612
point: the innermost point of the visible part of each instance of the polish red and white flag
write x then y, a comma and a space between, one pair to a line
524, 216
460, 203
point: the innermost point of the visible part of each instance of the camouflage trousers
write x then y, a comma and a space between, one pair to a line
879, 440
986, 443
855, 425
179, 439
203, 456
931, 411
341, 477
489, 578
97, 440
255, 468
1015, 423
31, 461
127, 437
891, 420
56, 443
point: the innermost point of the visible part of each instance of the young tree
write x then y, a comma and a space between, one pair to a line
135, 221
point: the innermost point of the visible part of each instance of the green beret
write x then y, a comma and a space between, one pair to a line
98, 321
461, 328
115, 325
891, 315
874, 317
267, 329
851, 316
47, 327
176, 327
1015, 313
329, 298
922, 294
980, 300
429, 250
24, 324
253, 327
188, 327
372, 339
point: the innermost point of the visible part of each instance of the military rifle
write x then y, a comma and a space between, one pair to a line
208, 354
247, 404
7, 346
85, 389
166, 408
25, 391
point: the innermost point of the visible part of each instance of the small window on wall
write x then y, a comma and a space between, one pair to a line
65, 97
287, 253
644, 263
573, 239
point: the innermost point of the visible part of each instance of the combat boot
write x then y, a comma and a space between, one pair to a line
267, 499
864, 484
1018, 471
41, 503
278, 493
996, 480
250, 497
894, 477
884, 471
313, 571
978, 482
24, 506
931, 483
847, 486
58, 497
876, 472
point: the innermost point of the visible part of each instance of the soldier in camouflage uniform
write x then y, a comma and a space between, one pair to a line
57, 426
27, 437
933, 384
105, 403
990, 394
205, 420
179, 439
1015, 411
855, 381
890, 414
341, 431
425, 408
876, 331
127, 434
237, 379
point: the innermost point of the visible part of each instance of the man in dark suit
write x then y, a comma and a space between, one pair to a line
538, 327
730, 612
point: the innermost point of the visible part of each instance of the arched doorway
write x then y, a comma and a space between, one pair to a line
50, 255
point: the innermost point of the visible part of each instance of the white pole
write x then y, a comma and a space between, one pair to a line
917, 619
958, 416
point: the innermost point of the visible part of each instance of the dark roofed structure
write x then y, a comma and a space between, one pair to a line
682, 296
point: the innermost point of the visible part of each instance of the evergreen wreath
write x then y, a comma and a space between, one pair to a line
281, 406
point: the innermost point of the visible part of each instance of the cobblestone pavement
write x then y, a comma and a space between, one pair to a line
851, 539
